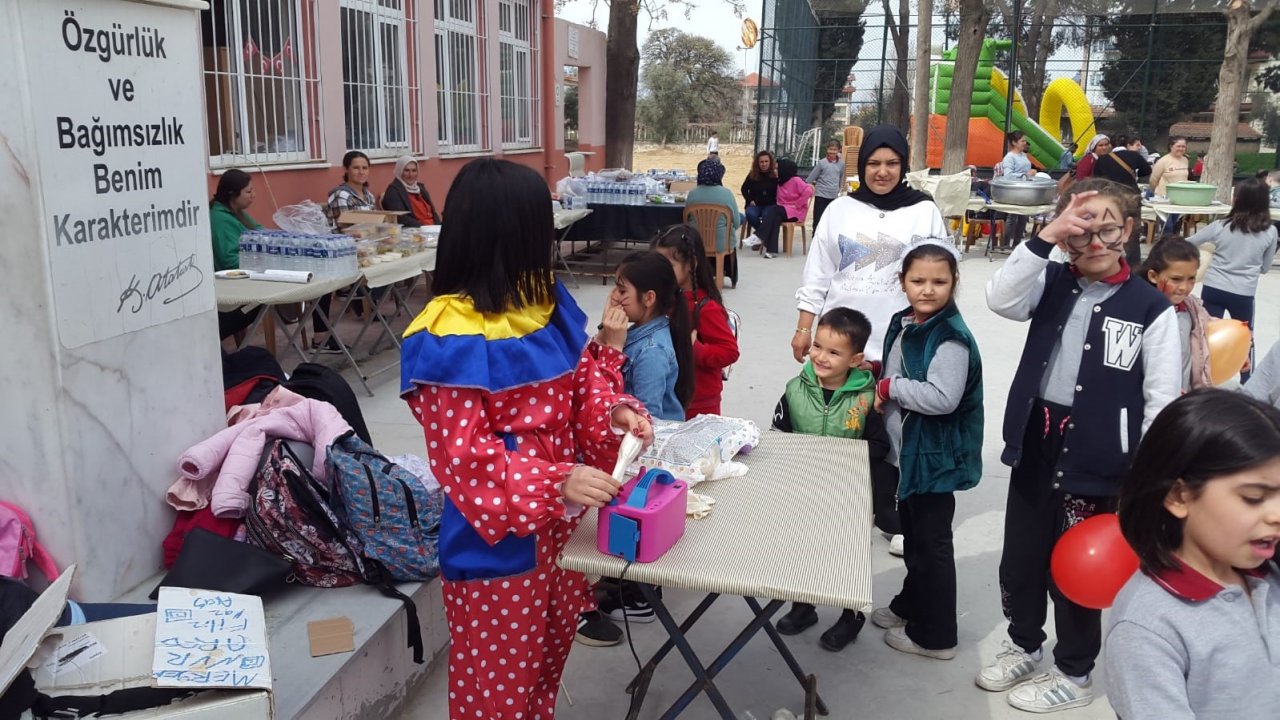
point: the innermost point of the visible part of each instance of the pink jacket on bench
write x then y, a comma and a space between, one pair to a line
222, 467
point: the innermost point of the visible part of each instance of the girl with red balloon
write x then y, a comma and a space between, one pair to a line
1101, 359
1195, 633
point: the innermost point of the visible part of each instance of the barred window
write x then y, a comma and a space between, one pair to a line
460, 87
261, 82
517, 65
379, 75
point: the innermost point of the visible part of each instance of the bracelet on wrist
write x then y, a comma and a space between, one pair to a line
804, 330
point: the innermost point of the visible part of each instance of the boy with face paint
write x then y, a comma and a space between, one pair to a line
1102, 358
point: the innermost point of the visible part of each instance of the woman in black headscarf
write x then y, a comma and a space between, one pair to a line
854, 261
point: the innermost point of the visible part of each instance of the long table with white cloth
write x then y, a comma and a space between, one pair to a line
789, 530
248, 294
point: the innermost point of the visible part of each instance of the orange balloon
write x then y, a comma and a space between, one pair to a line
1228, 348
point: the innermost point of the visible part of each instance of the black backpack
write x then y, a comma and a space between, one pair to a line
322, 383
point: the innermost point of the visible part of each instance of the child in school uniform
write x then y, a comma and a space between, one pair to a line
832, 396
1102, 358
1171, 267
1195, 633
931, 396
715, 347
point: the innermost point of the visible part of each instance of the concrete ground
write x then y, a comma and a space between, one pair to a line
868, 680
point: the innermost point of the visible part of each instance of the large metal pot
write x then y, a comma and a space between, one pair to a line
1037, 190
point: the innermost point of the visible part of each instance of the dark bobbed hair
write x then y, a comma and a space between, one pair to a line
1015, 136
1205, 434
1168, 249
1174, 139
1122, 195
230, 185
931, 251
835, 141
754, 175
350, 157
686, 242
1250, 207
850, 323
651, 271
495, 243
1124, 140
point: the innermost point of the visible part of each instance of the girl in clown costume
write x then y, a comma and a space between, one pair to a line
520, 410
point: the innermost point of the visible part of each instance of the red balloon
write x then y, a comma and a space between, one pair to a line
1092, 561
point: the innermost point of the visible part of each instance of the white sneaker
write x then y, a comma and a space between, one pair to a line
895, 546
753, 241
897, 639
1012, 666
886, 618
1051, 692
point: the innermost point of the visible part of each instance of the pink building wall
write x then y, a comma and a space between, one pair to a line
280, 185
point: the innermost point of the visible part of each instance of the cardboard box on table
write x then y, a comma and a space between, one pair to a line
357, 217
129, 643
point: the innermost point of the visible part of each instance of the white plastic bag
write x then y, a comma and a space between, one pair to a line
695, 451
306, 217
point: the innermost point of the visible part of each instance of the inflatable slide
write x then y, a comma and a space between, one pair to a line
987, 113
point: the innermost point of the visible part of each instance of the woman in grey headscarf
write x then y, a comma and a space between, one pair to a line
406, 194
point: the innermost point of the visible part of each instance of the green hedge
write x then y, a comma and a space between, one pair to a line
1251, 163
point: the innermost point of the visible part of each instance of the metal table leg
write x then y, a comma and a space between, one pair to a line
704, 682
787, 657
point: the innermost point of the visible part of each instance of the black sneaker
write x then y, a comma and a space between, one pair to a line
632, 605
801, 617
596, 630
843, 632
328, 347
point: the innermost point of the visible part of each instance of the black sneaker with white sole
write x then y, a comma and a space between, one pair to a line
597, 630
631, 605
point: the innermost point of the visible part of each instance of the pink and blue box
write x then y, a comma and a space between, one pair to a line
646, 518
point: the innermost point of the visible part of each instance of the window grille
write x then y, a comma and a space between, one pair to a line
460, 72
379, 76
262, 87
517, 72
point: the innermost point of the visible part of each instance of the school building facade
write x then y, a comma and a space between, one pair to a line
292, 85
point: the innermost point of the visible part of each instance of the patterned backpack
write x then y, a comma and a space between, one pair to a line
291, 514
396, 519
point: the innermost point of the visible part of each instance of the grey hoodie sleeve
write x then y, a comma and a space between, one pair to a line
941, 392
1264, 384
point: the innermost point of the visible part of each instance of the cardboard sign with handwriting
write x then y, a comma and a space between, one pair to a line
210, 639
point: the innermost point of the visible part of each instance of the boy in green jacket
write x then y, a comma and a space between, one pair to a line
833, 396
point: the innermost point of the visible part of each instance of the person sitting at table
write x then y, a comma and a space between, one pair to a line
352, 194
1100, 145
760, 191
405, 194
710, 191
835, 397
228, 219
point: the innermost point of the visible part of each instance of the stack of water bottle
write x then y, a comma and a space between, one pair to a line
324, 256
612, 192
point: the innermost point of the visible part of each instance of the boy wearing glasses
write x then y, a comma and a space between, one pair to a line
1102, 358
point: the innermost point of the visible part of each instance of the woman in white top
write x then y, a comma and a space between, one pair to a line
857, 249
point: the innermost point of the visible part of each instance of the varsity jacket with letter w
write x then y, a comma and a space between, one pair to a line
1130, 365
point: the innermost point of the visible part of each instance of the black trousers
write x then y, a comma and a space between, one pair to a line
927, 600
820, 206
771, 219
1036, 515
884, 498
233, 321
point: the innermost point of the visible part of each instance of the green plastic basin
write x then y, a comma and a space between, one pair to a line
1191, 193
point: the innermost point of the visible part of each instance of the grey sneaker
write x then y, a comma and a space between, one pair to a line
897, 639
886, 618
1051, 692
896, 546
1012, 666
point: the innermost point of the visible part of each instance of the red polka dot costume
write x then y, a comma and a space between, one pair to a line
501, 447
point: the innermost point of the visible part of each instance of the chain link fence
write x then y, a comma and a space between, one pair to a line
1151, 71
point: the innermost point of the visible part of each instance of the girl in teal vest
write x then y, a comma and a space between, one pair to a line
931, 397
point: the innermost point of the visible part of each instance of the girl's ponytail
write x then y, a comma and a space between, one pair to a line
681, 326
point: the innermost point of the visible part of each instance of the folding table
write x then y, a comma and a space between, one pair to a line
564, 221
248, 294
796, 527
409, 270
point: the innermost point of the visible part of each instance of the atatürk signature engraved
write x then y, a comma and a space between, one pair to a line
161, 283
